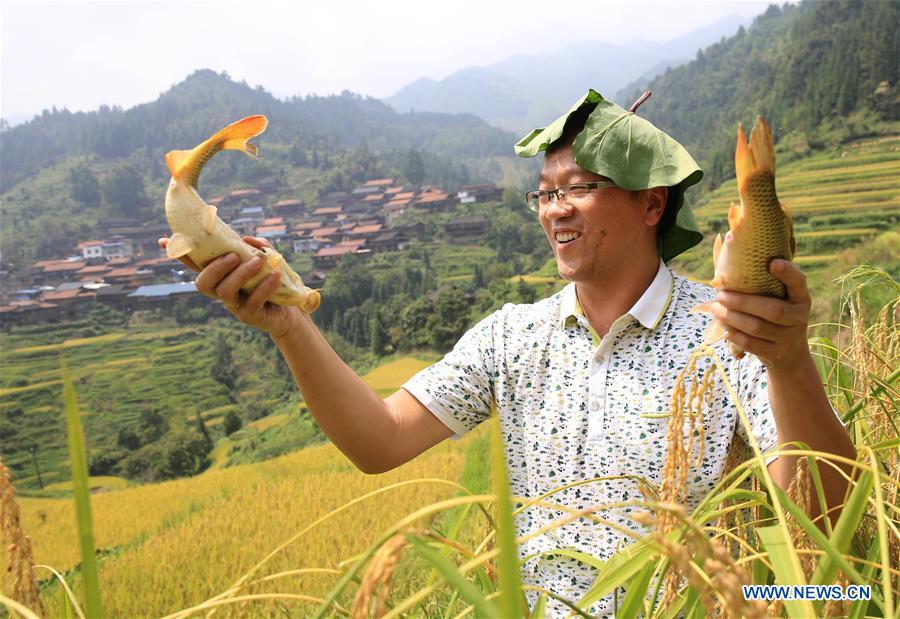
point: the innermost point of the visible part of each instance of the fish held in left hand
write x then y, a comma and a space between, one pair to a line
760, 228
198, 232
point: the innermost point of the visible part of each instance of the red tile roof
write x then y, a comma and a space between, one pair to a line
273, 221
99, 268
327, 210
84, 244
61, 295
337, 250
366, 229
377, 182
308, 225
239, 193
289, 203
63, 266
126, 272
282, 229
372, 197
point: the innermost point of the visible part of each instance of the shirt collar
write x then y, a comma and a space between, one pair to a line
648, 310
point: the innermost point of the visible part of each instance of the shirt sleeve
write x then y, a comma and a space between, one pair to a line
753, 393
459, 389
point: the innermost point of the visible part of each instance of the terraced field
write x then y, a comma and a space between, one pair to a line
117, 376
836, 198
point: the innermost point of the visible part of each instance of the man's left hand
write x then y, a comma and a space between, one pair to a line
772, 329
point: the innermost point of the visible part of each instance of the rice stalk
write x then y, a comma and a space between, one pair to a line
19, 580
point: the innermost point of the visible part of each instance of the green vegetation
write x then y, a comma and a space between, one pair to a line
821, 73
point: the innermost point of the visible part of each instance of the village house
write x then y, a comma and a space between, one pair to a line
466, 228
238, 196
328, 257
487, 192
389, 240
90, 249
29, 312
289, 209
304, 243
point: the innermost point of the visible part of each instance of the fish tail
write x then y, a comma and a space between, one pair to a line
187, 164
756, 156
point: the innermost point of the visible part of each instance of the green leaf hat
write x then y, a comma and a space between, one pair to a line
635, 155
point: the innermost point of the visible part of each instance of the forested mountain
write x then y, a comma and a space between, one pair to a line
819, 72
529, 90
185, 114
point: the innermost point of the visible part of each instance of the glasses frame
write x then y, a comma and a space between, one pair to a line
560, 194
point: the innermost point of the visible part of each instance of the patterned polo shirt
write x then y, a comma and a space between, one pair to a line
573, 409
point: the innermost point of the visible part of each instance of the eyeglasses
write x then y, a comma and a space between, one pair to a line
573, 194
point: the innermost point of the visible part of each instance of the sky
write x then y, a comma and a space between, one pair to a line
80, 55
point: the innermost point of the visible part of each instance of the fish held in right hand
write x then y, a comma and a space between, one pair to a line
201, 236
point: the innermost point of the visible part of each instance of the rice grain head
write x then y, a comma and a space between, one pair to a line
18, 581
376, 583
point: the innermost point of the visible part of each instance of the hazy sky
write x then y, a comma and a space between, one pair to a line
80, 55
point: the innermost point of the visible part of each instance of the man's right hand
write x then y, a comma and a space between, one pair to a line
223, 278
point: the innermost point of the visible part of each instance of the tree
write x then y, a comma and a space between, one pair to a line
450, 318
84, 186
413, 167
379, 337
222, 369
232, 423
123, 191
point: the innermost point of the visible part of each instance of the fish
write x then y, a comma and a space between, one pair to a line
199, 233
760, 228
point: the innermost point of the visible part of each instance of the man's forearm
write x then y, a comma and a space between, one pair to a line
350, 413
802, 413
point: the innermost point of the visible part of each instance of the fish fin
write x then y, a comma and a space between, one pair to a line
714, 332
735, 216
209, 218
761, 145
702, 308
717, 248
186, 164
179, 245
274, 261
753, 156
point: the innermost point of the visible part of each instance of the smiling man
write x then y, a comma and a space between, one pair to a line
581, 381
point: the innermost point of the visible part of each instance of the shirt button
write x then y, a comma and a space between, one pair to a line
595, 405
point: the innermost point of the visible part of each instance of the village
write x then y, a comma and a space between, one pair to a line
126, 270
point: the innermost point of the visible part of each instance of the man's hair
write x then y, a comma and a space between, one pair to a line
575, 125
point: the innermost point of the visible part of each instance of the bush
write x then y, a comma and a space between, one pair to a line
232, 423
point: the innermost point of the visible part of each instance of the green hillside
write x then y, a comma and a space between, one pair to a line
143, 390
821, 72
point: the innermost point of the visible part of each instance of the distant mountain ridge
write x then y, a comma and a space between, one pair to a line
205, 100
821, 72
529, 90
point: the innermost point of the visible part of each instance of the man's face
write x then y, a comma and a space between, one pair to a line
606, 226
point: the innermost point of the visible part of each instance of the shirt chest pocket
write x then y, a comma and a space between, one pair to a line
644, 430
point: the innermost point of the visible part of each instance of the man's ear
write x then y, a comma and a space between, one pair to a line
655, 204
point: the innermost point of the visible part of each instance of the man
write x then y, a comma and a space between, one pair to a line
581, 380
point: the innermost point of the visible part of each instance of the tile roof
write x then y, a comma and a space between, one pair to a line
337, 250
164, 290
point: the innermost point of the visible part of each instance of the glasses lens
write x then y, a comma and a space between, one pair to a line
577, 191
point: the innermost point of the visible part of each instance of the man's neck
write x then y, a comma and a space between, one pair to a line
604, 302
